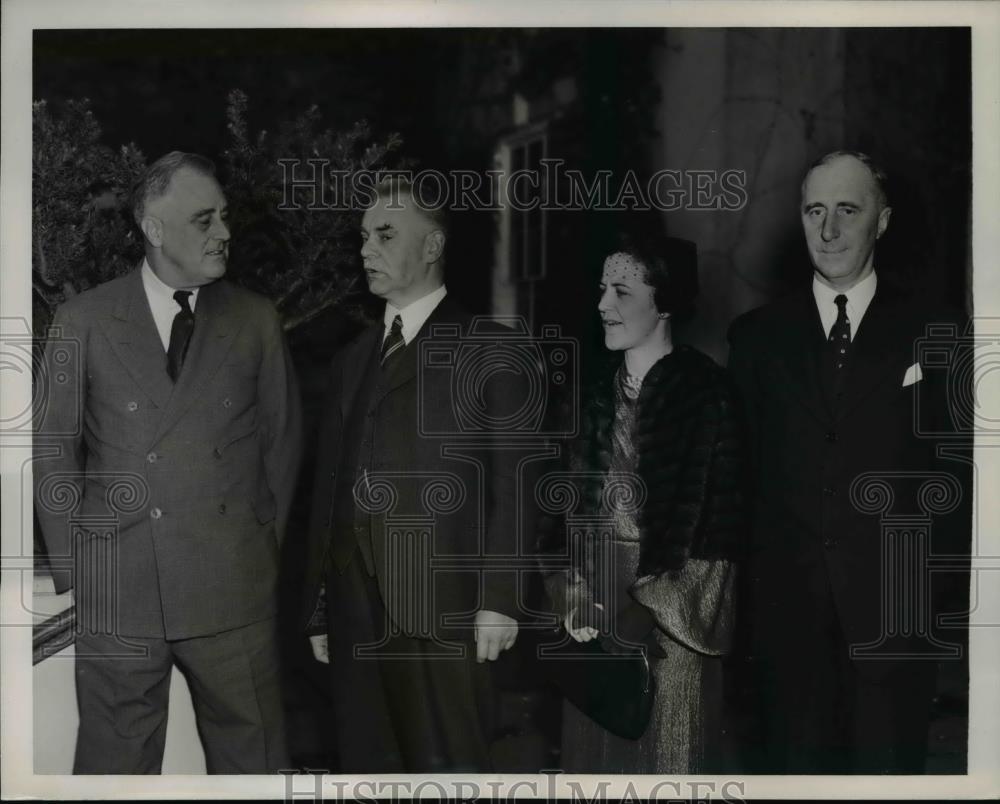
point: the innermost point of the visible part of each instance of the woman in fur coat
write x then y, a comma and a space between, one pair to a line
664, 418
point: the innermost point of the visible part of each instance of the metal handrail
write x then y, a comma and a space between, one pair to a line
53, 635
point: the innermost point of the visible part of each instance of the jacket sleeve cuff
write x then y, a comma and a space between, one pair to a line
500, 594
634, 622
317, 623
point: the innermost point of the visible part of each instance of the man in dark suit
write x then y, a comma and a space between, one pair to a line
844, 668
411, 615
177, 432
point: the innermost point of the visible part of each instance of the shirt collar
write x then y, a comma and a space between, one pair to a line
157, 289
859, 297
414, 314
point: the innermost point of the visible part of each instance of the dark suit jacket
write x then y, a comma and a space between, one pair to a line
185, 489
806, 457
415, 424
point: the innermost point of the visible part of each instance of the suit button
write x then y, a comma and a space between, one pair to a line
133, 407
152, 457
227, 402
156, 513
222, 508
217, 452
828, 491
831, 436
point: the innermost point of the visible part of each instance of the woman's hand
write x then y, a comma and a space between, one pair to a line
582, 633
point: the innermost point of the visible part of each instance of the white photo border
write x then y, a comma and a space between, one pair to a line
21, 17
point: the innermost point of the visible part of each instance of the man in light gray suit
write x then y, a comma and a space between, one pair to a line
184, 392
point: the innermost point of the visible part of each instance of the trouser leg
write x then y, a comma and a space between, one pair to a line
413, 706
441, 706
891, 717
803, 677
122, 696
364, 734
235, 685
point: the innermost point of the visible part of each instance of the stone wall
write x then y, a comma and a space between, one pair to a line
768, 101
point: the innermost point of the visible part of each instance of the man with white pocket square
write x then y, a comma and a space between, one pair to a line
828, 379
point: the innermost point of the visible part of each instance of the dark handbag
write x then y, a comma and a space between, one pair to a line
616, 690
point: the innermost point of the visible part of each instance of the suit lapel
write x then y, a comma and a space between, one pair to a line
799, 356
133, 337
404, 367
355, 364
215, 324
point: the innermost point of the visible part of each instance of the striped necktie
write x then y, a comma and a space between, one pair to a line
393, 341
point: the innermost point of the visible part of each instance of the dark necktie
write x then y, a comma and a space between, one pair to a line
393, 341
180, 334
839, 346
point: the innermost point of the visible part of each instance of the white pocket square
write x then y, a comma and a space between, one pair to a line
913, 374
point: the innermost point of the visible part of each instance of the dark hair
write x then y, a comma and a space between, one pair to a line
671, 265
879, 176
156, 178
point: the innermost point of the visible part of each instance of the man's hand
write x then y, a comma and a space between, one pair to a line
319, 646
495, 632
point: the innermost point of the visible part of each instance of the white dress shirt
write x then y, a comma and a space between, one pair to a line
414, 314
161, 302
858, 299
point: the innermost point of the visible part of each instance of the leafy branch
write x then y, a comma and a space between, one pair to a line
305, 259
